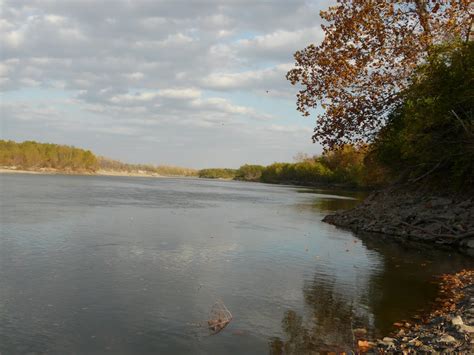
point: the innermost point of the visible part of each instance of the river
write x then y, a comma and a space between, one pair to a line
122, 265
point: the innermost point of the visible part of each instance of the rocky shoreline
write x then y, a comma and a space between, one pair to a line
447, 329
413, 215
418, 216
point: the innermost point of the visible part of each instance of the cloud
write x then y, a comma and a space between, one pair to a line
268, 78
276, 46
177, 72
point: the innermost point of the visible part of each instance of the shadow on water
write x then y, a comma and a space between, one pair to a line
333, 200
403, 287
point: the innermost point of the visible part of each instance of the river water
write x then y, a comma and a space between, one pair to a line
119, 265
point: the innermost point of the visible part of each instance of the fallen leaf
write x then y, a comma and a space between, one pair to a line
363, 344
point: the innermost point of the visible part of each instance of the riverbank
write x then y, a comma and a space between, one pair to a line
103, 172
448, 328
413, 215
48, 171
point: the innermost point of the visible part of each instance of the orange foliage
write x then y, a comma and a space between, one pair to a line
369, 53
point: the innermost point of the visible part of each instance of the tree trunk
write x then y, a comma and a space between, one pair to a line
470, 35
423, 16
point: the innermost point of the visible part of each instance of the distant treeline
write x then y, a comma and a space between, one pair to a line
217, 173
346, 166
31, 155
165, 170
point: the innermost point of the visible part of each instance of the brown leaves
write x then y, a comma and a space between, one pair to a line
365, 61
450, 292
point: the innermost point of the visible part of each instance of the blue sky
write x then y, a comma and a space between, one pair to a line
161, 82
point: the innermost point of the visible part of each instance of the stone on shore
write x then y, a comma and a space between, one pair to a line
413, 215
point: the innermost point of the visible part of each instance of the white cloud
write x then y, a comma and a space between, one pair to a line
169, 70
135, 76
268, 78
288, 41
180, 93
14, 39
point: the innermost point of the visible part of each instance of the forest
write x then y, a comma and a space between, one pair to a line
107, 164
31, 155
343, 167
34, 156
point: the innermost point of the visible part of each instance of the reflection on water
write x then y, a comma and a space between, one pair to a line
333, 200
328, 327
333, 204
94, 265
401, 289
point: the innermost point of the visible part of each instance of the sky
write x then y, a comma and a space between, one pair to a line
189, 83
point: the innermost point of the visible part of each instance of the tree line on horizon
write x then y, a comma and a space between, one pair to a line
346, 167
31, 155
163, 170
343, 167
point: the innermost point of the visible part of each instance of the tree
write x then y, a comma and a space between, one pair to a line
431, 135
365, 62
33, 155
249, 172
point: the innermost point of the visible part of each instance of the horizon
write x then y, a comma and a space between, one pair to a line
164, 83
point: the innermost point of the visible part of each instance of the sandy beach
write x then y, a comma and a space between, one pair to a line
6, 170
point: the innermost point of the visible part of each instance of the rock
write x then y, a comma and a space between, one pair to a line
465, 204
427, 349
457, 321
415, 342
448, 216
469, 243
466, 328
439, 202
446, 338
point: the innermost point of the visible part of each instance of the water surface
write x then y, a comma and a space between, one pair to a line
122, 265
